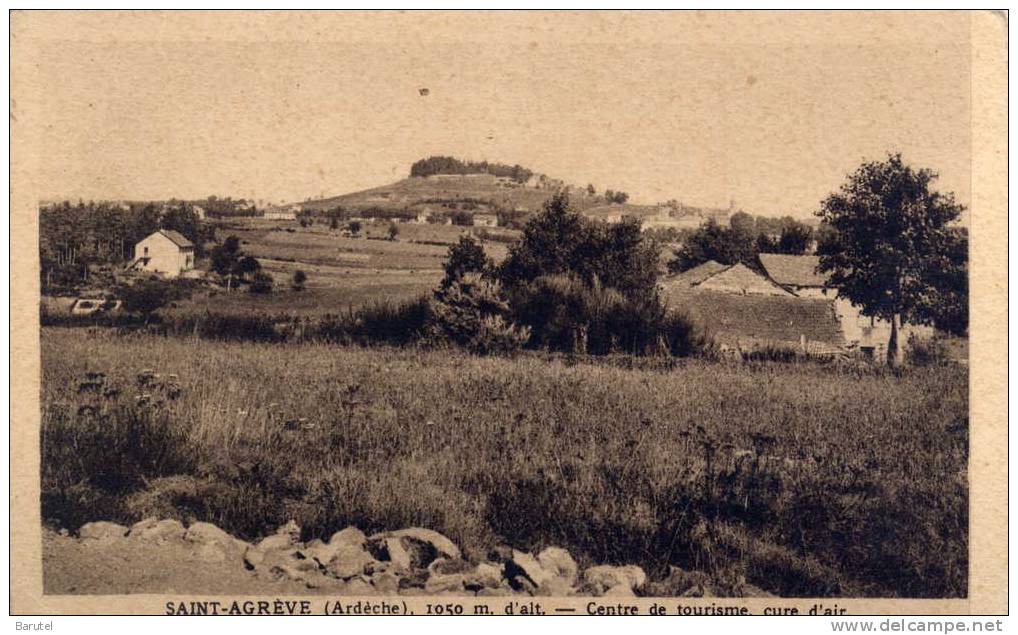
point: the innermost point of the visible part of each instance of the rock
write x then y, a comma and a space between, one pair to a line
496, 592
385, 582
102, 530
556, 587
209, 534
753, 591
440, 583
253, 557
398, 556
444, 566
290, 564
484, 575
291, 528
524, 564
621, 590
348, 561
210, 553
276, 542
558, 562
143, 524
677, 583
357, 586
437, 541
604, 577
157, 530
350, 536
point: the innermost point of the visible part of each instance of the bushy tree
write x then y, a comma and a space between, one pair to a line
795, 239
261, 282
472, 312
147, 296
891, 241
299, 280
711, 241
393, 231
355, 227
561, 241
466, 256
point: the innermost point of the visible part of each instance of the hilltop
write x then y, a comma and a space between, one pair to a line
478, 193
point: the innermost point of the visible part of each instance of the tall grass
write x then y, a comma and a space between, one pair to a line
799, 479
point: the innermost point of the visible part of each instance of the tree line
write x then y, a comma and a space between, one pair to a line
451, 165
75, 237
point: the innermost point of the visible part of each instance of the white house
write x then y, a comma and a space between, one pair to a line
166, 252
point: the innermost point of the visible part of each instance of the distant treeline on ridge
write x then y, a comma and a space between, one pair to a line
452, 165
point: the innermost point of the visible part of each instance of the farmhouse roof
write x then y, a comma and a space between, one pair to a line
741, 279
735, 318
698, 274
799, 271
177, 238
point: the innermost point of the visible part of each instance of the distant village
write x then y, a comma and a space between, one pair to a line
783, 299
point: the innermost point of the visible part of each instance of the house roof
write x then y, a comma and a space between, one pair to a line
741, 279
177, 238
735, 318
697, 274
799, 271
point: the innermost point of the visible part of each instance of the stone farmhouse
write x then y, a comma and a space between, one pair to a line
788, 304
870, 335
165, 252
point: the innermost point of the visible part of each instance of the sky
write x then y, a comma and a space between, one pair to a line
769, 110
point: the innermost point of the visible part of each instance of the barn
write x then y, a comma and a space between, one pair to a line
745, 309
166, 252
801, 275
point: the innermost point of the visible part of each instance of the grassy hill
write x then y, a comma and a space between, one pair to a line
478, 193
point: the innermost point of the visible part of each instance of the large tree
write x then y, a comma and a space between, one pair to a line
891, 243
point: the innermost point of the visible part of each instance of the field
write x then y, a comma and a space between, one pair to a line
800, 479
343, 272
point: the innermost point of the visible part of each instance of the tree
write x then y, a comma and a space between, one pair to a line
713, 242
355, 226
182, 218
261, 283
393, 231
795, 238
591, 190
890, 240
147, 296
299, 280
561, 241
464, 257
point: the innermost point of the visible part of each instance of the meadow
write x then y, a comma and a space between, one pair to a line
800, 479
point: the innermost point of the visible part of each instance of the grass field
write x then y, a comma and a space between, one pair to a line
319, 246
342, 272
800, 479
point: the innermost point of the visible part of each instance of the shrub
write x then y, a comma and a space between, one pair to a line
686, 336
299, 280
261, 282
926, 351
471, 313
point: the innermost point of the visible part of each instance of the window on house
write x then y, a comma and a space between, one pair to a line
145, 251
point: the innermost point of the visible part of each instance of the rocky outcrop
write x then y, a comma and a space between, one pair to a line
412, 561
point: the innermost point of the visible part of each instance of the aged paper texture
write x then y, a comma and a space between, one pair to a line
567, 312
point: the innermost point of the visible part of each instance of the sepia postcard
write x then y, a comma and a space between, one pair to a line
508, 313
